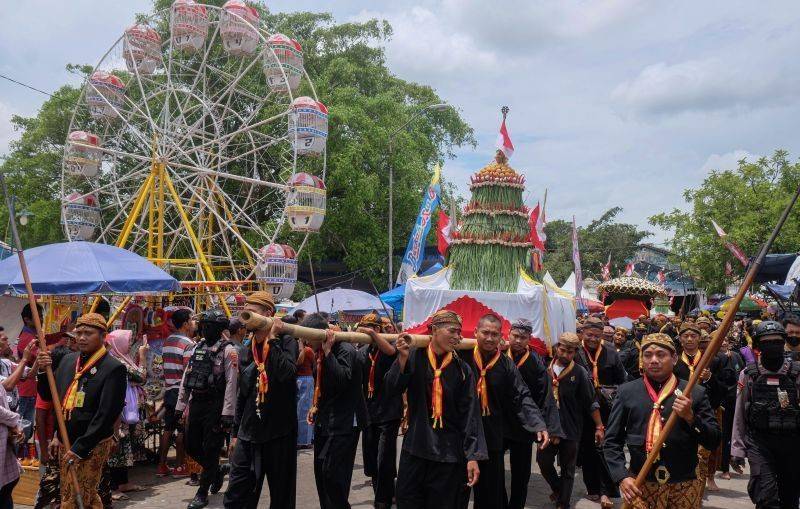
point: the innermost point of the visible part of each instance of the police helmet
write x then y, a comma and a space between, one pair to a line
768, 328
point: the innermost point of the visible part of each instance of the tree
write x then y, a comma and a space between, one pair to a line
746, 203
366, 103
603, 236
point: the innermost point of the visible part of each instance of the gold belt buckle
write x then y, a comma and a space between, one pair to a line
662, 474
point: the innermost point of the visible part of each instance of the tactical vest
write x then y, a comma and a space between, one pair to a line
202, 379
774, 406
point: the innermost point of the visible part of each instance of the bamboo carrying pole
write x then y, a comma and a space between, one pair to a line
51, 381
255, 321
716, 342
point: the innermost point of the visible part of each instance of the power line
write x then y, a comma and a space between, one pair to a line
12, 80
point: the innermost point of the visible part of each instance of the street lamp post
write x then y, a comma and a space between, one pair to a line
430, 107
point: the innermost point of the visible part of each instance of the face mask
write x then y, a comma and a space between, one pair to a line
793, 340
771, 354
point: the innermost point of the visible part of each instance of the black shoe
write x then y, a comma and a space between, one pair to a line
198, 502
216, 485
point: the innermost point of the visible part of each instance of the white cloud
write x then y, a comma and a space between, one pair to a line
726, 161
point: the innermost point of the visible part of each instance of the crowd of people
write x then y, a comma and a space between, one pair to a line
598, 402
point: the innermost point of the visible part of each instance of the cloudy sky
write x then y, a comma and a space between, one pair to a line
613, 102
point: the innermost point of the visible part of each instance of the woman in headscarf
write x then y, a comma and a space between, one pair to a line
119, 345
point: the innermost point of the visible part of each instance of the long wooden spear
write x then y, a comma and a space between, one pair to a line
254, 321
51, 381
716, 341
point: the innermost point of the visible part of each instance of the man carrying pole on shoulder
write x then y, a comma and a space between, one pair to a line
639, 412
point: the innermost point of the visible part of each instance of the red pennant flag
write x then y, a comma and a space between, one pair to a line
443, 235
735, 250
629, 269
504, 140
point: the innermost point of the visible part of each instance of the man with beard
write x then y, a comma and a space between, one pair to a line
636, 420
379, 440
692, 338
264, 433
574, 396
502, 395
766, 426
791, 323
445, 440
606, 373
517, 440
338, 413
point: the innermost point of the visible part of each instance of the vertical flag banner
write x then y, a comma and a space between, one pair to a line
735, 250
443, 233
536, 236
605, 272
629, 269
415, 250
503, 139
576, 259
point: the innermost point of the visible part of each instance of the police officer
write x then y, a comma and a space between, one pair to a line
209, 388
766, 425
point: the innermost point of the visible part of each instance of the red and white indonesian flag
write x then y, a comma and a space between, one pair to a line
443, 233
504, 140
629, 269
536, 222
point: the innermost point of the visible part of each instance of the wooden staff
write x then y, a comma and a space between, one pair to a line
51, 381
716, 342
255, 321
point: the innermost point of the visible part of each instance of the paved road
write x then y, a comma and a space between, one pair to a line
170, 493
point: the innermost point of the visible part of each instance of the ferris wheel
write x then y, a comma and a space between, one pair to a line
198, 139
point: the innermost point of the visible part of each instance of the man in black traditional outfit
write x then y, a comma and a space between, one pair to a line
517, 440
640, 410
445, 440
379, 439
503, 395
264, 434
574, 395
606, 372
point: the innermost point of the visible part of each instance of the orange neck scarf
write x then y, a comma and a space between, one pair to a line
654, 425
373, 359
692, 363
317, 384
522, 359
69, 402
483, 391
557, 379
593, 360
437, 394
260, 360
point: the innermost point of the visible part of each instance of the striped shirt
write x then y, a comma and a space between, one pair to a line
176, 352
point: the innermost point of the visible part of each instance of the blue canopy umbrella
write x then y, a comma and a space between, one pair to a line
79, 268
395, 298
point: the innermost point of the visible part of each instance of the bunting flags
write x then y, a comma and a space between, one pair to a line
415, 250
735, 250
576, 259
443, 235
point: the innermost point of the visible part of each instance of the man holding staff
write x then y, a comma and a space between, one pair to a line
503, 397
639, 412
91, 385
264, 434
379, 440
445, 440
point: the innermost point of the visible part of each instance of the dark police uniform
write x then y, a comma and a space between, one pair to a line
766, 429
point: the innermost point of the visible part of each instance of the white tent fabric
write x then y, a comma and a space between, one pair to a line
569, 286
10, 308
548, 280
340, 299
549, 316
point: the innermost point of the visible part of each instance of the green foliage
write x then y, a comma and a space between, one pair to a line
603, 236
346, 63
746, 203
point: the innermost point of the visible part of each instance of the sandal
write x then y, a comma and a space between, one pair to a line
119, 496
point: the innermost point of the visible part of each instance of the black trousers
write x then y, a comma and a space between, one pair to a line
379, 450
5, 495
250, 463
596, 476
204, 438
334, 456
727, 433
426, 484
561, 485
774, 476
520, 457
